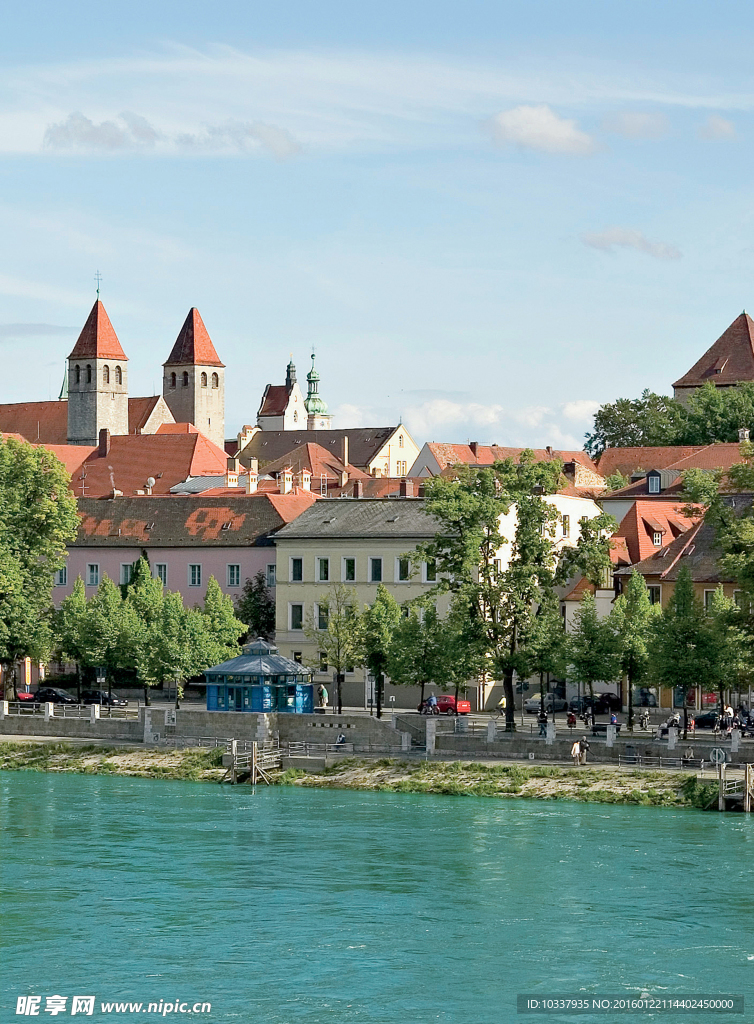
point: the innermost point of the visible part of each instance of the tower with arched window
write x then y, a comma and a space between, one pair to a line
193, 382
97, 381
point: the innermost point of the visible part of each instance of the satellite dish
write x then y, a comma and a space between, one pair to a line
150, 481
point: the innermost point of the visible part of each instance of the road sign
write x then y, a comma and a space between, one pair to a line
718, 755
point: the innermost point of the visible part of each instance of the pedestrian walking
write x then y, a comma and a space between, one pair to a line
542, 719
583, 749
576, 753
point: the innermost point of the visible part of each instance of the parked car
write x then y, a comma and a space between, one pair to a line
26, 698
602, 704
104, 698
552, 703
446, 705
53, 695
707, 720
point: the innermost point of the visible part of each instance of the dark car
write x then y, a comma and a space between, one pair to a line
53, 695
602, 704
708, 720
107, 700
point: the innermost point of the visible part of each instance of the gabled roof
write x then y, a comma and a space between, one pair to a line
319, 461
139, 411
629, 460
153, 522
193, 346
485, 454
721, 455
275, 400
729, 361
384, 518
364, 443
45, 422
634, 538
98, 339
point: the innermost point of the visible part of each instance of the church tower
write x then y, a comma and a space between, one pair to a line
193, 383
318, 418
97, 381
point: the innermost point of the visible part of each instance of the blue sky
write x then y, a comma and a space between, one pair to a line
487, 218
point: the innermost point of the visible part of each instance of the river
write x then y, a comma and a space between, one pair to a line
291, 905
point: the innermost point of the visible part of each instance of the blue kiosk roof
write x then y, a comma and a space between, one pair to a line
259, 658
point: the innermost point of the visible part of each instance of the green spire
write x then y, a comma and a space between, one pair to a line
63, 396
315, 406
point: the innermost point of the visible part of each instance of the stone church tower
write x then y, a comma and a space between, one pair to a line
97, 381
193, 383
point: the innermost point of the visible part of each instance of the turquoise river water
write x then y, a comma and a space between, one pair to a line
288, 905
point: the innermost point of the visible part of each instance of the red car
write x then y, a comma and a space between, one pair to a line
448, 706
26, 698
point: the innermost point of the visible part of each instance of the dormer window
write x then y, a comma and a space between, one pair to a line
653, 481
657, 539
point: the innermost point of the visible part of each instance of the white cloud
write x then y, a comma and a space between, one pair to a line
635, 124
717, 129
629, 238
540, 128
238, 134
79, 132
581, 409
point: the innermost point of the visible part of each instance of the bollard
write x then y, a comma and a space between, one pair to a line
550, 734
94, 710
491, 730
405, 741
3, 708
610, 733
672, 738
735, 740
49, 711
430, 734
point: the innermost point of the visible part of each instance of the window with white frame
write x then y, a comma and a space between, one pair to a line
323, 616
566, 526
375, 570
271, 575
430, 571
296, 615
401, 467
349, 570
126, 570
61, 577
297, 570
657, 538
653, 483
161, 572
323, 570
92, 574
195, 575
402, 570
655, 593
234, 575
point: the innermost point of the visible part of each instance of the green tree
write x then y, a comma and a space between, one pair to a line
682, 651
648, 421
144, 594
179, 645
614, 481
631, 620
593, 653
379, 623
717, 414
112, 633
422, 649
222, 627
256, 608
337, 633
730, 643
545, 643
70, 630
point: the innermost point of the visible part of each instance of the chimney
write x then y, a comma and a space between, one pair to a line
344, 458
104, 442
406, 489
358, 489
421, 491
285, 481
252, 479
743, 434
245, 436
305, 480
474, 445
548, 449
231, 472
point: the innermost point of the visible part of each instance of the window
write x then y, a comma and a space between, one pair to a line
173, 380
606, 583
402, 468
195, 575
323, 616
234, 575
708, 595
324, 570
118, 375
77, 373
430, 571
653, 483
297, 570
298, 657
322, 661
400, 440
126, 569
92, 575
297, 616
349, 570
271, 575
375, 570
61, 577
403, 574
203, 380
655, 594
105, 374
185, 378
566, 526
657, 538
161, 573
88, 374
215, 381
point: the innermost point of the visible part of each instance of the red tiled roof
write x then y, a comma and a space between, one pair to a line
634, 536
177, 428
319, 462
721, 455
98, 339
485, 455
46, 422
274, 400
629, 460
581, 587
290, 506
73, 456
139, 411
193, 344
729, 361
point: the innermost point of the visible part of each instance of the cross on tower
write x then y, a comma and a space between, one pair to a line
98, 278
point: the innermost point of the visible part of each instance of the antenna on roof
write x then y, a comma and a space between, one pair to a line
98, 278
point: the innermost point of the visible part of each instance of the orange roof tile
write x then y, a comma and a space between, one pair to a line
193, 346
139, 411
629, 460
98, 339
729, 361
485, 454
274, 400
635, 535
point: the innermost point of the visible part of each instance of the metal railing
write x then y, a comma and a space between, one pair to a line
300, 748
17, 708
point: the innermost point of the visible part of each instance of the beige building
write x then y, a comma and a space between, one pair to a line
359, 543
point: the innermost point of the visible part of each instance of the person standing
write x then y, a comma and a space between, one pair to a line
542, 719
576, 753
322, 695
583, 749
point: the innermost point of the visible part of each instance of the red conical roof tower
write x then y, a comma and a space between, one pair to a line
193, 344
98, 339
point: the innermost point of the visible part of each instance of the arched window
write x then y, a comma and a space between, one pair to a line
118, 375
105, 374
173, 380
77, 371
215, 381
88, 373
204, 380
185, 378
